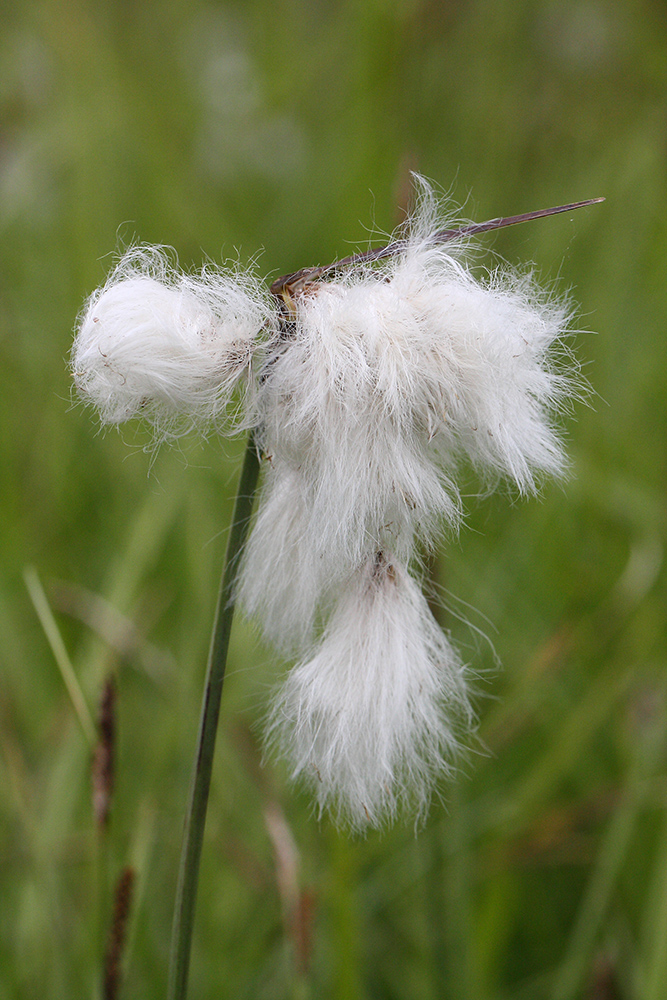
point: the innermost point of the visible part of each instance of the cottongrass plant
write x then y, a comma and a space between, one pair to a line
365, 384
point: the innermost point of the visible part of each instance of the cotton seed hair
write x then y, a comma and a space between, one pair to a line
168, 346
382, 378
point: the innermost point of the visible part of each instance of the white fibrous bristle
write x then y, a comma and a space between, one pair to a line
370, 719
166, 345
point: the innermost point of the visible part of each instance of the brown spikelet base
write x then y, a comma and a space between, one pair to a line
103, 760
117, 932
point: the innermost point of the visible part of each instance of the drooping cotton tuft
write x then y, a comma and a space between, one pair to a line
370, 719
162, 344
347, 474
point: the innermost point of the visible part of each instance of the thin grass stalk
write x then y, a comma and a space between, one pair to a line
195, 819
61, 656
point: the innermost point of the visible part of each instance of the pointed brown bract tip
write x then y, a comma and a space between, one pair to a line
286, 288
104, 758
117, 934
477, 228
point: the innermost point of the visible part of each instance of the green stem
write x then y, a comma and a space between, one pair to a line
188, 876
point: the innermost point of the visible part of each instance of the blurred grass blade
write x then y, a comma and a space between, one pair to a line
655, 943
611, 858
55, 640
347, 929
140, 852
570, 742
145, 543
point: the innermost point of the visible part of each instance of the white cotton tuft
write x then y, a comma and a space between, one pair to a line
370, 720
161, 344
460, 366
361, 489
387, 377
491, 374
285, 575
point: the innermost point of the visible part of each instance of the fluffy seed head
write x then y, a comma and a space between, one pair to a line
165, 345
389, 376
461, 365
386, 377
369, 720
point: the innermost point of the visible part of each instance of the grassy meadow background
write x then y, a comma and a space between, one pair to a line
290, 128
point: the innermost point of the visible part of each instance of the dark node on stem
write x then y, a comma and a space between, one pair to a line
383, 569
117, 933
104, 757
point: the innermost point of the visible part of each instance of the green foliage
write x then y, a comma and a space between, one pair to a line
291, 127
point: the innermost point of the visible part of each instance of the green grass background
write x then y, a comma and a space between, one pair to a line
291, 128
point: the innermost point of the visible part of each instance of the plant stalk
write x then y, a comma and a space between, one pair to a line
195, 819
